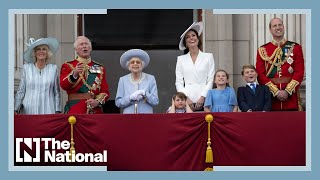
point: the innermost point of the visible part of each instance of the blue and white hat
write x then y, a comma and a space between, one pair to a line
198, 26
52, 43
128, 55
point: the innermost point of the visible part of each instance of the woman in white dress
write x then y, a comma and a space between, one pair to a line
194, 69
39, 90
137, 91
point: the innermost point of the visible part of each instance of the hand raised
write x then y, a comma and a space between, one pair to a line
78, 70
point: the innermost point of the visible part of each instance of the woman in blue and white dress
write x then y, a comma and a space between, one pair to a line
137, 91
39, 90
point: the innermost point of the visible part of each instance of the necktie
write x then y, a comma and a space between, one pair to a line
253, 87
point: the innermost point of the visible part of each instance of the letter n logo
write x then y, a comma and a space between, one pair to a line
28, 145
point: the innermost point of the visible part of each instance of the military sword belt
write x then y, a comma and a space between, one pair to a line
281, 80
77, 96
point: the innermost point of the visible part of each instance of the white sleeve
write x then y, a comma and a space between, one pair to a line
152, 96
180, 77
209, 81
122, 99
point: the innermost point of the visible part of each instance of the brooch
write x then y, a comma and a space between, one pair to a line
290, 60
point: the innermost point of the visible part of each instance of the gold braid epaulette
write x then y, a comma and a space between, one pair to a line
291, 86
276, 56
263, 53
273, 88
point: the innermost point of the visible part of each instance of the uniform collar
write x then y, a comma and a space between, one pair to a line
280, 43
83, 60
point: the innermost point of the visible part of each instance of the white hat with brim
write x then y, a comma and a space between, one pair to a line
197, 26
52, 44
128, 55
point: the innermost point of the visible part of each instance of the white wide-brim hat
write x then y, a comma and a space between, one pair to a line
128, 55
197, 26
52, 44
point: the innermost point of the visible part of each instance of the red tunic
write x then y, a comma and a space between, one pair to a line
91, 82
281, 68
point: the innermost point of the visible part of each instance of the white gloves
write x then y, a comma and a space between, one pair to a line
142, 92
133, 96
137, 95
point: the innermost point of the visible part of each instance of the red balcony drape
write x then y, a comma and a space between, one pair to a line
177, 141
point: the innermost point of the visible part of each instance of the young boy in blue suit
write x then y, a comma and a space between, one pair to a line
253, 96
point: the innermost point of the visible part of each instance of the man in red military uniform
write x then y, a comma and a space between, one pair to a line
84, 80
280, 66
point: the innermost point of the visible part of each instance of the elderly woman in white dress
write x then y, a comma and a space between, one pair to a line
137, 91
194, 69
39, 90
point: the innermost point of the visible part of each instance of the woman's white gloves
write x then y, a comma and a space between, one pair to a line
137, 95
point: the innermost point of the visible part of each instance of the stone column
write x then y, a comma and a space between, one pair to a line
63, 28
219, 41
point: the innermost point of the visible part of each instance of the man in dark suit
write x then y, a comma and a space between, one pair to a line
253, 97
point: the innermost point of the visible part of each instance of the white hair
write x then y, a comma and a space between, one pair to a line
75, 44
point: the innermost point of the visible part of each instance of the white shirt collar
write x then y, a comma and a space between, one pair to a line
255, 84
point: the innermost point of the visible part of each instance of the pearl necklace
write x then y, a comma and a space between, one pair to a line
136, 81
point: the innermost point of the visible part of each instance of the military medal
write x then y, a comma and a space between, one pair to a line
286, 52
94, 87
290, 60
95, 69
97, 80
290, 70
98, 69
